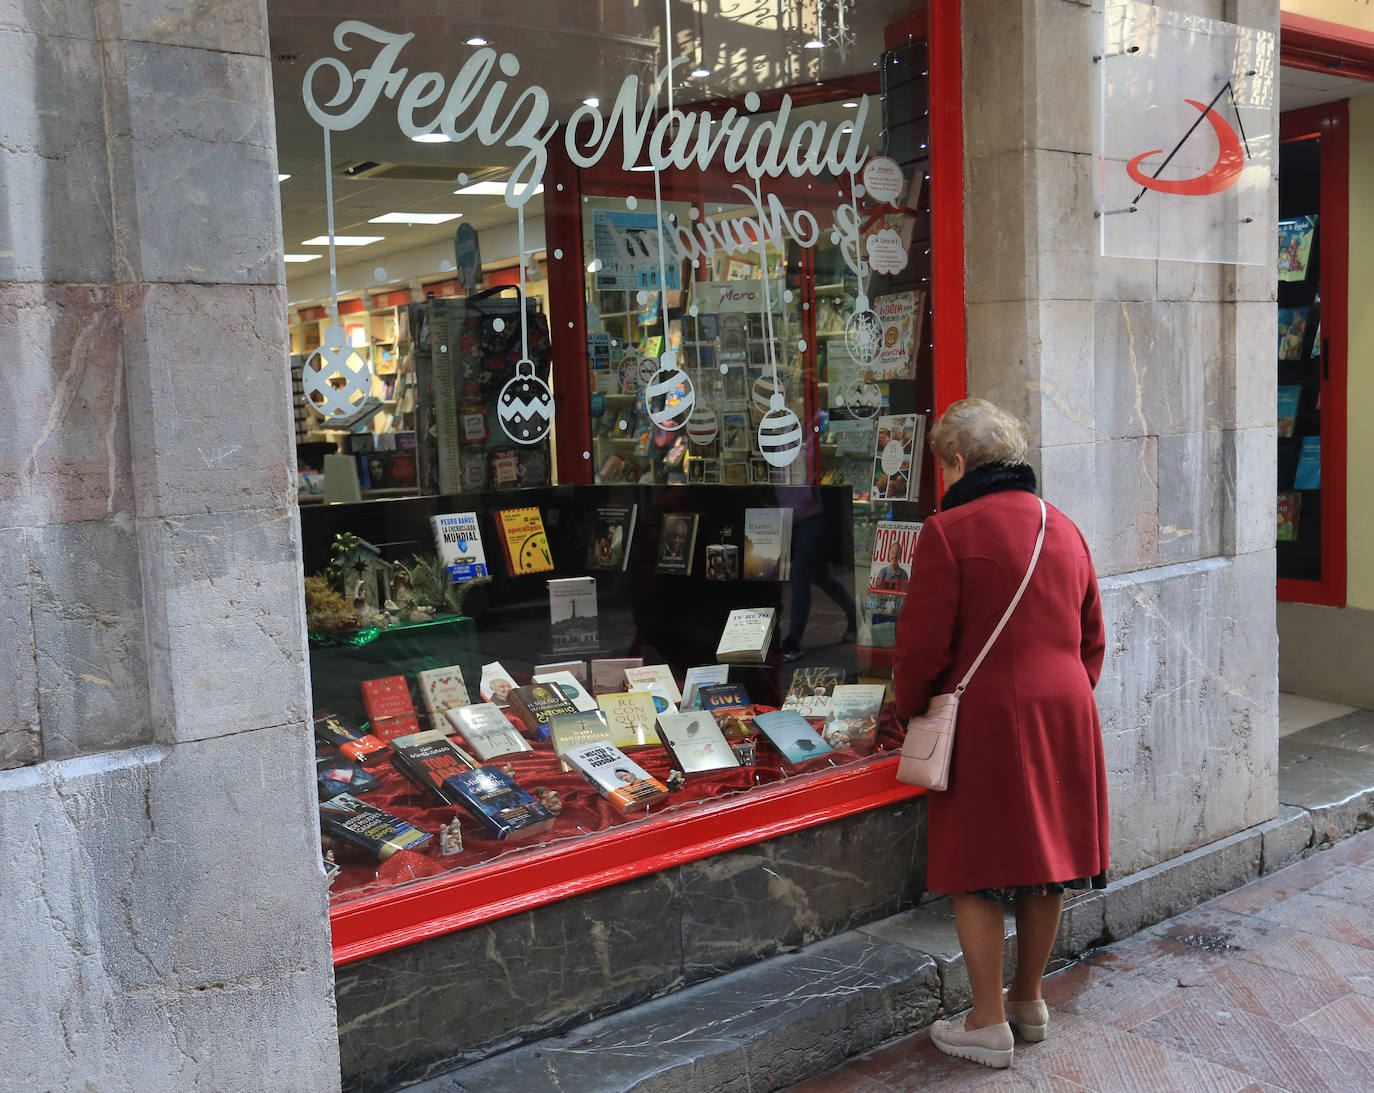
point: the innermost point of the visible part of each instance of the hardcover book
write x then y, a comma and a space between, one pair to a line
578, 668
363, 825
535, 703
361, 747
486, 731
695, 742
851, 718
747, 634
508, 811
1295, 247
729, 704
631, 716
617, 777
897, 457
809, 690
496, 683
894, 549
427, 758
767, 544
1309, 472
1293, 323
570, 687
608, 673
524, 543
654, 674
900, 315
572, 613
335, 774
701, 675
442, 689
571, 730
1289, 397
792, 735
458, 542
1289, 513
676, 543
611, 536
390, 709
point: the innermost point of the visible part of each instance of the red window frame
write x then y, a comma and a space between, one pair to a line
1330, 123
393, 919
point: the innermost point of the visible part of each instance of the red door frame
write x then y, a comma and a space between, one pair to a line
390, 920
1330, 124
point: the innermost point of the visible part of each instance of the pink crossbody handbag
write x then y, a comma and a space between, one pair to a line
929, 743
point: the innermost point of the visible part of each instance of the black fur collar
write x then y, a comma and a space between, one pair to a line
989, 478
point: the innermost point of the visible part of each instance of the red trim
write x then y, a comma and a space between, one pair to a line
1321, 46
1330, 123
400, 917
947, 298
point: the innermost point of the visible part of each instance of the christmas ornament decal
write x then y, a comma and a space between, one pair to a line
525, 406
669, 395
336, 378
780, 434
762, 394
863, 333
702, 426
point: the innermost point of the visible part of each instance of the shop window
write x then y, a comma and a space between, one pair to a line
653, 398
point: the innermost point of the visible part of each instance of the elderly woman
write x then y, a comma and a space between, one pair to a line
1025, 814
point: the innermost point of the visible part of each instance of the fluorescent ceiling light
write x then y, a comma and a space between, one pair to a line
430, 138
815, 43
593, 102
301, 257
282, 177
476, 40
343, 240
414, 218
642, 167
489, 189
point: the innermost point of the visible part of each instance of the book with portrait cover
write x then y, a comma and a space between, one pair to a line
427, 758
360, 824
612, 532
459, 545
390, 709
617, 777
572, 730
492, 796
809, 689
524, 543
486, 731
792, 735
572, 613
631, 716
442, 689
897, 457
496, 683
695, 742
677, 540
535, 703
852, 715
894, 549
730, 705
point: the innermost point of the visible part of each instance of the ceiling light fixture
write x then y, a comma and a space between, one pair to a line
281, 177
343, 240
488, 189
850, 105
701, 71
414, 218
476, 40
300, 257
430, 138
591, 101
814, 43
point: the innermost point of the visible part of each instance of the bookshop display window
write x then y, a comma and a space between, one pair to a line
641, 348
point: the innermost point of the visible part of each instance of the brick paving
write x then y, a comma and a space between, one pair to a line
1266, 989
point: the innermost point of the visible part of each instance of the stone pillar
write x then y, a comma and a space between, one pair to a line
165, 913
1149, 388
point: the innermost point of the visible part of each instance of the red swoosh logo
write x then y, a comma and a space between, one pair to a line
1230, 162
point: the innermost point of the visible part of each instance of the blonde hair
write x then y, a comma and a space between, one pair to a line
981, 433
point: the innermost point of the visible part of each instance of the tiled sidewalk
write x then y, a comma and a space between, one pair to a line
1266, 989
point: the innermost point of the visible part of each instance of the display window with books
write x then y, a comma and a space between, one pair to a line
629, 328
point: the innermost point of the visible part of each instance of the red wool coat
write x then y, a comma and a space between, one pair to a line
1027, 797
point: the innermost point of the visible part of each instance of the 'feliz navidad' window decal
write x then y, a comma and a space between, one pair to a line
478, 103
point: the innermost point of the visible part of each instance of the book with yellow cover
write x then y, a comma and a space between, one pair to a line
524, 542
631, 716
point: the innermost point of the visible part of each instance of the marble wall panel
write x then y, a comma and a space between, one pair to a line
1126, 481
226, 633
55, 189
64, 453
211, 385
1064, 229
203, 112
89, 636
1067, 408
1191, 496
200, 24
999, 219
20, 742
1068, 481
1252, 380
1066, 87
996, 100
76, 20
999, 349
129, 947
1250, 482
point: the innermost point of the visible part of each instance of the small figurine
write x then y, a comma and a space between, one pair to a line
549, 798
744, 751
402, 590
509, 771
450, 838
675, 781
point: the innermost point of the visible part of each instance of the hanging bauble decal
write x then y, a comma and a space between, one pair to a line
702, 426
336, 378
861, 399
763, 392
525, 406
669, 395
863, 333
780, 434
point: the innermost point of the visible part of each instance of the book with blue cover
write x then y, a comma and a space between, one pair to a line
508, 811
1309, 474
792, 735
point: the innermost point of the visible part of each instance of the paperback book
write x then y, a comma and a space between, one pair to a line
335, 774
695, 742
747, 634
458, 541
654, 677
360, 747
698, 676
1309, 472
792, 735
894, 549
851, 718
900, 315
767, 544
897, 457
572, 730
486, 731
1295, 247
631, 716
577, 668
507, 811
442, 689
496, 683
360, 824
809, 690
1289, 397
608, 673
571, 688
572, 613
1290, 511
617, 777
1293, 323
676, 543
390, 709
729, 704
429, 757
524, 543
611, 536
535, 703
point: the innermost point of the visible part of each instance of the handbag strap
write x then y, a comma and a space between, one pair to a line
1035, 557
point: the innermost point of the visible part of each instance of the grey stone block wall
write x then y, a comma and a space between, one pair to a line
1149, 389
165, 912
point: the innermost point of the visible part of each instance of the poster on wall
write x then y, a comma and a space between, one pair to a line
626, 245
